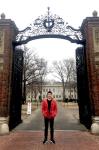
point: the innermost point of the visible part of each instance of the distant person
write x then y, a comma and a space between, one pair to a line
49, 111
40, 98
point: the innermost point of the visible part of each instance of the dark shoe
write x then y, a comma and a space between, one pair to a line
45, 141
52, 141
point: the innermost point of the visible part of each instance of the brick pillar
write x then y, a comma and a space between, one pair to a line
90, 29
8, 31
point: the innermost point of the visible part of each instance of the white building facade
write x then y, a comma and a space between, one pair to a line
57, 90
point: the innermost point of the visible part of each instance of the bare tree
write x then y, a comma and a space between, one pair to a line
70, 66
40, 74
35, 69
73, 79
64, 72
26, 69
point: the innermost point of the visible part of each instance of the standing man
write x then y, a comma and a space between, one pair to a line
49, 111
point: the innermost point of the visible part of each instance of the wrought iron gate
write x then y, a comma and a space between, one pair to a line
82, 87
16, 94
50, 26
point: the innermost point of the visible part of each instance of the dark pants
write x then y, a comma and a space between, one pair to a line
47, 122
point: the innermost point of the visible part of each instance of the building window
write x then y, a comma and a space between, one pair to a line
53, 96
56, 96
71, 96
53, 90
43, 96
71, 90
97, 36
43, 90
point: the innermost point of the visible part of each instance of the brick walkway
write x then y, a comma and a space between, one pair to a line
65, 140
69, 133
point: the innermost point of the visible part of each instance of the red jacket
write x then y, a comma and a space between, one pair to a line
53, 109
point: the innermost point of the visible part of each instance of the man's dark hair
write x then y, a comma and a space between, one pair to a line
49, 92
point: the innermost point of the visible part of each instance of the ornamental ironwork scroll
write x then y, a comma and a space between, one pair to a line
49, 26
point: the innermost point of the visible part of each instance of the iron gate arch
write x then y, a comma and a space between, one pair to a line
49, 26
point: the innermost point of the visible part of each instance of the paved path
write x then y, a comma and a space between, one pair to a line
67, 119
69, 133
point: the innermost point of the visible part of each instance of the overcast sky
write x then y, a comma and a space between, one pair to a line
24, 12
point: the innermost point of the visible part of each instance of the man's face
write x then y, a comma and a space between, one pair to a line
49, 96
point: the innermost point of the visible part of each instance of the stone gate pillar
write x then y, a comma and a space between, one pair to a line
90, 29
8, 31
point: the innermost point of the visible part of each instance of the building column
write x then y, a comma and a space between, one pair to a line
4, 127
7, 35
95, 125
90, 29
